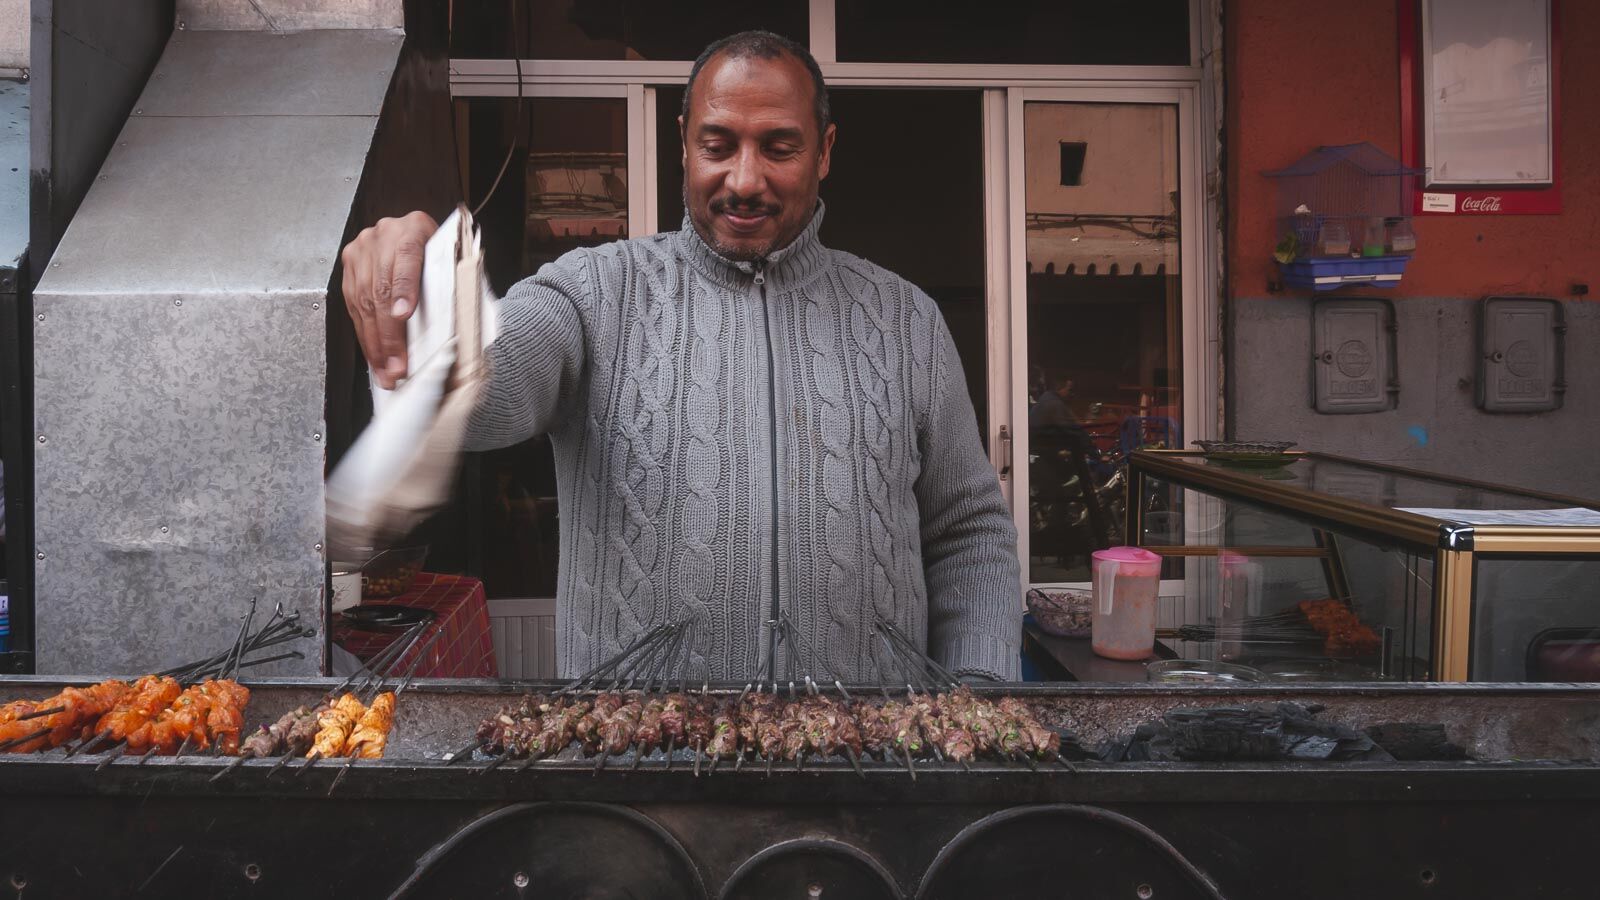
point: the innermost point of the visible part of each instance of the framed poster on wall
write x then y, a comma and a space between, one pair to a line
1479, 105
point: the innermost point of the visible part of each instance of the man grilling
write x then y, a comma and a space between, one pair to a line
744, 421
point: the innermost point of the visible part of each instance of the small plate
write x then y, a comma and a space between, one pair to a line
1201, 671
386, 616
1317, 669
1248, 454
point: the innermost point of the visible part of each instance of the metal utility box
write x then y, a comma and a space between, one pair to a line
1521, 354
1353, 366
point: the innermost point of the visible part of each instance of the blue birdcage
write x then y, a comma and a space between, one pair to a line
1344, 217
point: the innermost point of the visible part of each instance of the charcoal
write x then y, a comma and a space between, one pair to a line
1113, 750
1259, 732
1306, 737
1416, 741
1071, 747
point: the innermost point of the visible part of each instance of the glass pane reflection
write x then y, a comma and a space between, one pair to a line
1104, 313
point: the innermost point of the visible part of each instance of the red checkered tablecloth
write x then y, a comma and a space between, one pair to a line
465, 650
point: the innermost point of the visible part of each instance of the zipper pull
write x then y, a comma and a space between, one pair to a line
760, 278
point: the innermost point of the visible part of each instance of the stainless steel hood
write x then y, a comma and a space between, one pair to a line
180, 336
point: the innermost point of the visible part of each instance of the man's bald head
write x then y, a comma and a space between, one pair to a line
763, 45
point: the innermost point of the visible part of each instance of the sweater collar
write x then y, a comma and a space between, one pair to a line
787, 267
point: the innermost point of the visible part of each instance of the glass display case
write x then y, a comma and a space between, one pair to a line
1312, 566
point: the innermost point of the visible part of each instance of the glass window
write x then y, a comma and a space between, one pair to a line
1398, 490
1072, 153
616, 29
1536, 619
1022, 32
1284, 596
566, 187
881, 217
1104, 312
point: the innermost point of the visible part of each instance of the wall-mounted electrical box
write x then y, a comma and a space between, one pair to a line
1353, 366
1521, 354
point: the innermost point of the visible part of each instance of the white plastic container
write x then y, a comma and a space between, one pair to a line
1126, 582
346, 586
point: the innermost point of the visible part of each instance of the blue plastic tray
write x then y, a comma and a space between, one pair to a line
1337, 272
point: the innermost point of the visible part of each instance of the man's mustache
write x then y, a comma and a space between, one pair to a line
742, 206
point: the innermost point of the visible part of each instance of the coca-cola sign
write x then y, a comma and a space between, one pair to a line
1490, 203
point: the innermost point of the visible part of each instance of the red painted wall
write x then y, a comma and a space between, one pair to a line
1300, 74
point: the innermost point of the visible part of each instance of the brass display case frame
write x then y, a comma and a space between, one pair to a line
1455, 547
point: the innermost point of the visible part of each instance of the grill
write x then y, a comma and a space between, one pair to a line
429, 820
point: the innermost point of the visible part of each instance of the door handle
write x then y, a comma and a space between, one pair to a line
1005, 453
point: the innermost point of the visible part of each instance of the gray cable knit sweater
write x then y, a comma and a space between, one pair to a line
868, 494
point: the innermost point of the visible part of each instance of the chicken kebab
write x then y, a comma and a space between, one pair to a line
28, 725
344, 727
205, 716
152, 715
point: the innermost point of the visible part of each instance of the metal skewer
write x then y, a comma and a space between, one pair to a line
688, 655
349, 762
89, 742
466, 752
234, 764
411, 671
113, 753
282, 761
855, 762
238, 645
594, 674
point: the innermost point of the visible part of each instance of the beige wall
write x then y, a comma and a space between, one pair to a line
1130, 168
1127, 144
13, 34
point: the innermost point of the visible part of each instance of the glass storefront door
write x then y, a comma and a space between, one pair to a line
1099, 335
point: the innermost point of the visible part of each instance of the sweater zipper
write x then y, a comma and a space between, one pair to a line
760, 280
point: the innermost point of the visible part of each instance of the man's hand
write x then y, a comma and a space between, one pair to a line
382, 281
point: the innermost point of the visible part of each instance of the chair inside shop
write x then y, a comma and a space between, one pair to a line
1566, 653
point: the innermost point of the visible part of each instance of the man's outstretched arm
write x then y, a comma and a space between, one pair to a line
969, 544
536, 362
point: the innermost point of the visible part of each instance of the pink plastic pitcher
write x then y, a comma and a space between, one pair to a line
1126, 580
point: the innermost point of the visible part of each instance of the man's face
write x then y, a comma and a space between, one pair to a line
752, 157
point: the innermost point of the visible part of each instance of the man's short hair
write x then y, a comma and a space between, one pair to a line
763, 45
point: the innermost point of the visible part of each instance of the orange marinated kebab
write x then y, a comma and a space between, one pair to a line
69, 712
226, 717
207, 714
372, 731
143, 701
334, 726
184, 722
15, 708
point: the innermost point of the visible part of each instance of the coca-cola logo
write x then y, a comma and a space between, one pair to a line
1490, 203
